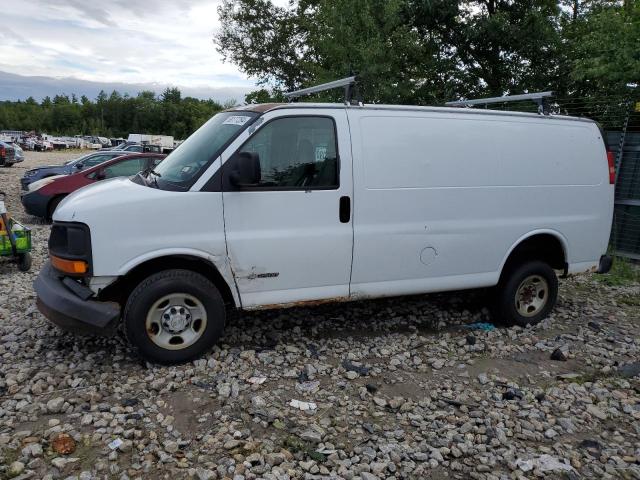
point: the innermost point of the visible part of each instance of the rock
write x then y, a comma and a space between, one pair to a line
61, 462
371, 388
512, 393
311, 435
231, 444
224, 390
204, 474
396, 402
55, 405
258, 402
560, 354
381, 402
595, 326
471, 339
170, 446
630, 370
437, 364
483, 379
32, 450
63, 444
359, 369
596, 412
15, 469
351, 375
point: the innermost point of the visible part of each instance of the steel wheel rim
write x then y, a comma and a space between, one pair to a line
176, 321
532, 295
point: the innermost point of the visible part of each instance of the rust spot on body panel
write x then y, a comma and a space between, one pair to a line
301, 303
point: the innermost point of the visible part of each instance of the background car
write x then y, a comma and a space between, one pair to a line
44, 195
136, 147
7, 154
74, 166
19, 153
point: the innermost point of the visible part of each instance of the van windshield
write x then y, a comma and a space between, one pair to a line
181, 168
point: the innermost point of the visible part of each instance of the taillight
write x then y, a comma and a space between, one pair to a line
611, 158
2, 152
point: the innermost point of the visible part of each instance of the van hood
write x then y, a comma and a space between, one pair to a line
88, 203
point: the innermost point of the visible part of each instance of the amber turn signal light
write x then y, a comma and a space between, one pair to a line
73, 267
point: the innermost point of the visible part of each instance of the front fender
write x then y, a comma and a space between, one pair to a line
219, 262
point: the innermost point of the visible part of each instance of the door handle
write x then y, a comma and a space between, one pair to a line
345, 209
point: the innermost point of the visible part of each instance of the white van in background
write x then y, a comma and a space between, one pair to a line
286, 204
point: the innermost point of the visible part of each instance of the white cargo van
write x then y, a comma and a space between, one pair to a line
277, 205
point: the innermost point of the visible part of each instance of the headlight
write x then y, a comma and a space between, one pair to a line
70, 247
38, 184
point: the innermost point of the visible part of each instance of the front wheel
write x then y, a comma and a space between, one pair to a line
174, 316
526, 294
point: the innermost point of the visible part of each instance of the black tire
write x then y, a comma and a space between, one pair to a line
24, 262
154, 288
53, 204
504, 308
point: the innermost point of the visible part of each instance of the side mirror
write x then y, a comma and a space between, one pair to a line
247, 171
79, 166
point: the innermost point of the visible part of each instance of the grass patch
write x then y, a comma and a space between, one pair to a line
7, 457
622, 273
295, 444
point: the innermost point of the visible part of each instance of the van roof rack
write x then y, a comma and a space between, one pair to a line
539, 98
350, 85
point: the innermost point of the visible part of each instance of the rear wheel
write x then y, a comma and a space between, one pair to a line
24, 262
526, 294
174, 316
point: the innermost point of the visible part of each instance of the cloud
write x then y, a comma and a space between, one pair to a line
122, 41
18, 87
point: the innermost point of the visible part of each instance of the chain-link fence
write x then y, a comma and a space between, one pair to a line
619, 116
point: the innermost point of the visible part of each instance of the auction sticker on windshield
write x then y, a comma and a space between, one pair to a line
236, 120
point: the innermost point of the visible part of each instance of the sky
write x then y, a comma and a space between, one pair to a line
162, 42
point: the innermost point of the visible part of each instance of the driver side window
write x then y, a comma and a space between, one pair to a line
296, 152
93, 161
126, 168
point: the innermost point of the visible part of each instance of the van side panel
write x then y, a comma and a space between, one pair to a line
441, 198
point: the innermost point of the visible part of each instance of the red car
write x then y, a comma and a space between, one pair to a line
44, 195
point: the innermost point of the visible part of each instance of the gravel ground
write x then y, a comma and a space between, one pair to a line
392, 389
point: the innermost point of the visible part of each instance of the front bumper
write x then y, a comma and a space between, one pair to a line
35, 203
25, 182
73, 310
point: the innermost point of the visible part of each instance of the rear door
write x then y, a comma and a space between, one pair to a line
289, 237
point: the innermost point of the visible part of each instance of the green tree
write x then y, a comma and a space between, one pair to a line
405, 50
604, 49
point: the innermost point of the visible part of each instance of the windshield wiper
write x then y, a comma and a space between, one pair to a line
151, 171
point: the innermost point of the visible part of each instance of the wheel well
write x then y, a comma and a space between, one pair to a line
58, 198
544, 247
120, 290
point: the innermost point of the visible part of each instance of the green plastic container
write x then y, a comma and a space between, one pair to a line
23, 239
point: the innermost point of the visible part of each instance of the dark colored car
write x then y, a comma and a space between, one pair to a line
7, 155
43, 200
73, 166
136, 147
